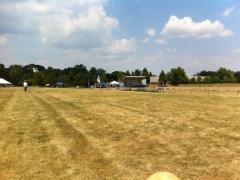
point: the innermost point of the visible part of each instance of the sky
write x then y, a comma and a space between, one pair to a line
121, 34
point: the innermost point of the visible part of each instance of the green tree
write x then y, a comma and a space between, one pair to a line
207, 80
102, 74
29, 73
215, 79
115, 76
3, 72
226, 75
193, 80
70, 78
81, 76
199, 80
81, 79
178, 76
38, 78
16, 74
146, 74
163, 77
127, 73
120, 75
137, 72
51, 76
237, 76
93, 73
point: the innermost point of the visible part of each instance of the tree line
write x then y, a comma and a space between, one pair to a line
79, 75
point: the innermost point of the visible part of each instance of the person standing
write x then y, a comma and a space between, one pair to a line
25, 85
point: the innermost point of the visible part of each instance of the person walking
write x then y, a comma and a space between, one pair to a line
25, 85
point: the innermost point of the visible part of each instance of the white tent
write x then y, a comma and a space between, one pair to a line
114, 83
4, 82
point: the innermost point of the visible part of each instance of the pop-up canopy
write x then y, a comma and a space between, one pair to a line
4, 82
114, 83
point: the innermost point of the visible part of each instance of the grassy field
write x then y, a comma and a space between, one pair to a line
111, 134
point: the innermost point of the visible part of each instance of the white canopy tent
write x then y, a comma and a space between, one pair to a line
4, 82
114, 83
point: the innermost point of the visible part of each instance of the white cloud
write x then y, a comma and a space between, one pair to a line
123, 46
151, 32
146, 40
186, 27
161, 41
72, 23
227, 12
236, 51
90, 25
3, 40
33, 7
171, 50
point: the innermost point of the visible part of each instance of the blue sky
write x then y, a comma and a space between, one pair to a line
121, 35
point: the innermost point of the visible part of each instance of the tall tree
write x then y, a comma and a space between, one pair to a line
102, 74
3, 72
38, 78
199, 79
226, 75
81, 76
237, 76
178, 76
51, 76
93, 73
193, 80
127, 73
146, 74
116, 76
15, 74
81, 79
163, 77
137, 72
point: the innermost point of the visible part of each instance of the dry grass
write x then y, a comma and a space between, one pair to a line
109, 134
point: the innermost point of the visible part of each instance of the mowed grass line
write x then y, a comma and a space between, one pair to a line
104, 132
183, 137
25, 148
83, 154
41, 144
154, 110
97, 134
5, 98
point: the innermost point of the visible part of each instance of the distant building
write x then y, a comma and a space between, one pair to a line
134, 81
154, 80
154, 83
